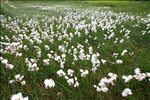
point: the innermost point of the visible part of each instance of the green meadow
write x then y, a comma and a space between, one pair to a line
87, 48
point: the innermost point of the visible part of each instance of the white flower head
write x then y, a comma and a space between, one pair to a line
140, 76
46, 47
18, 77
1, 58
70, 81
9, 66
103, 61
148, 74
126, 92
46, 61
137, 71
104, 89
63, 55
11, 81
123, 52
18, 96
61, 73
127, 78
49, 83
4, 61
119, 61
23, 82
76, 84
70, 72
84, 73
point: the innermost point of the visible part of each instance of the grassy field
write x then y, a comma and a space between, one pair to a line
89, 50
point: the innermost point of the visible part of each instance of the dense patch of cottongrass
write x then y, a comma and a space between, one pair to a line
104, 83
57, 29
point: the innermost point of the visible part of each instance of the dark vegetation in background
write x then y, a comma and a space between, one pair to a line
78, 0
